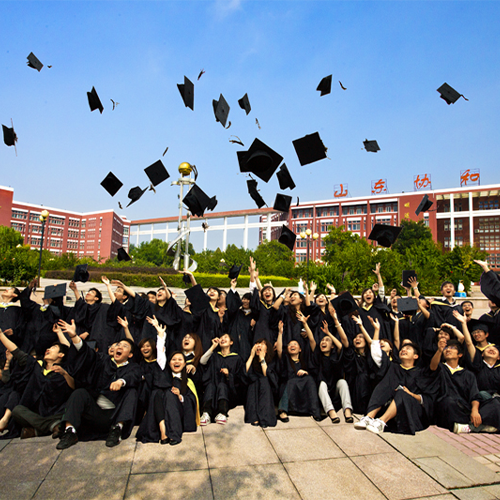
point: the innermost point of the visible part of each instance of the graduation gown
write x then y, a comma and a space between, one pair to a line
378, 310
11, 316
266, 326
259, 404
239, 325
357, 375
412, 416
329, 369
442, 312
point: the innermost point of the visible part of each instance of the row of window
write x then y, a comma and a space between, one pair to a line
348, 210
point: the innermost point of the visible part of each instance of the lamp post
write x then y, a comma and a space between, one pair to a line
308, 235
43, 219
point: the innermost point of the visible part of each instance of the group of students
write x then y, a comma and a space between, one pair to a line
95, 370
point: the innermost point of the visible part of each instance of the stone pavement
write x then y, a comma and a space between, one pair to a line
303, 459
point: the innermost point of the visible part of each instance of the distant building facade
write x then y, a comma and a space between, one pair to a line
92, 234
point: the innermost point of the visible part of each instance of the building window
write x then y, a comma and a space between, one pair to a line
18, 227
17, 214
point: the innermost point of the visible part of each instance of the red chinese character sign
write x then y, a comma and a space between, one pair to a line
379, 187
421, 182
340, 190
469, 177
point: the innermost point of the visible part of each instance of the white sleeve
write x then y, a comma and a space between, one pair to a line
79, 345
381, 292
376, 352
161, 356
204, 359
252, 286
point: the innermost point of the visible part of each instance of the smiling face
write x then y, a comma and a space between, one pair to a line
385, 346
152, 297
91, 297
492, 353
448, 290
122, 352
368, 296
326, 344
359, 341
407, 352
119, 294
222, 299
295, 299
443, 335
111, 349
467, 307
267, 294
161, 295
225, 341
213, 294
451, 353
188, 343
245, 303
146, 350
53, 354
479, 335
321, 300
294, 348
177, 363
261, 349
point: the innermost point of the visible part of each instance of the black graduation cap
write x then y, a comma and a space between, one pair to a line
94, 101
406, 276
284, 178
198, 298
424, 205
221, 110
407, 305
282, 202
234, 272
287, 237
309, 148
449, 94
34, 63
55, 291
371, 146
187, 92
9, 136
157, 173
81, 273
252, 191
245, 104
186, 278
475, 324
111, 184
325, 85
385, 235
135, 194
344, 304
260, 160
197, 201
123, 255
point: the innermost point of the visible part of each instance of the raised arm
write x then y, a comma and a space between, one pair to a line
254, 274
436, 359
303, 319
359, 322
108, 287
333, 292
191, 276
471, 348
380, 283
70, 329
9, 345
164, 285
124, 323
335, 341
338, 325
60, 335
312, 292
74, 289
279, 341
282, 298
376, 328
127, 289
397, 342
483, 264
250, 358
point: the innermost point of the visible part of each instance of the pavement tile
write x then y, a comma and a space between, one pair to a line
18, 489
192, 485
86, 457
338, 476
100, 488
389, 471
4, 443
300, 423
423, 444
224, 445
470, 468
491, 458
36, 459
311, 441
445, 496
153, 457
493, 467
240, 483
470, 453
354, 443
481, 493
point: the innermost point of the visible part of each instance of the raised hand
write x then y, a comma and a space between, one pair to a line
105, 280
122, 321
324, 328
377, 269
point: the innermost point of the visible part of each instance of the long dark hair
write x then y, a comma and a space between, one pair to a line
269, 355
198, 348
301, 359
268, 286
152, 343
292, 312
184, 377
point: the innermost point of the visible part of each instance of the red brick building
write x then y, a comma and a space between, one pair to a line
92, 234
460, 216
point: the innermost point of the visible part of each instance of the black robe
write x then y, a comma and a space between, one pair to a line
357, 375
378, 310
11, 316
490, 286
329, 369
266, 326
442, 312
239, 325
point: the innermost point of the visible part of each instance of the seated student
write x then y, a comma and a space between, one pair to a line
86, 308
434, 335
490, 287
222, 380
11, 318
458, 400
151, 295
318, 311
402, 399
475, 329
328, 359
298, 391
288, 307
49, 386
108, 402
442, 309
262, 384
467, 308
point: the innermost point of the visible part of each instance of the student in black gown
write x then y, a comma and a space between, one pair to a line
384, 352
287, 308
442, 309
298, 391
212, 321
433, 335
490, 287
222, 380
11, 318
372, 306
318, 311
262, 385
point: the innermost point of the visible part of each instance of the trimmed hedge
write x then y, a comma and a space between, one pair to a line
150, 280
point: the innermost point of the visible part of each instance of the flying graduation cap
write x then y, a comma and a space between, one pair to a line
234, 272
33, 62
309, 148
187, 92
81, 273
287, 237
284, 178
325, 85
344, 304
449, 94
197, 201
55, 291
111, 184
94, 101
424, 205
221, 110
123, 255
260, 160
282, 202
407, 305
9, 136
252, 191
371, 146
245, 104
135, 194
157, 173
385, 235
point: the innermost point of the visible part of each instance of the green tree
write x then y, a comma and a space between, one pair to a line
274, 259
459, 265
411, 233
9, 238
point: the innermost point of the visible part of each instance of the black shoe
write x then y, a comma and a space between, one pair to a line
173, 442
69, 438
58, 431
114, 436
165, 441
284, 419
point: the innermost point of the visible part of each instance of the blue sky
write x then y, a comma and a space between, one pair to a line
391, 56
